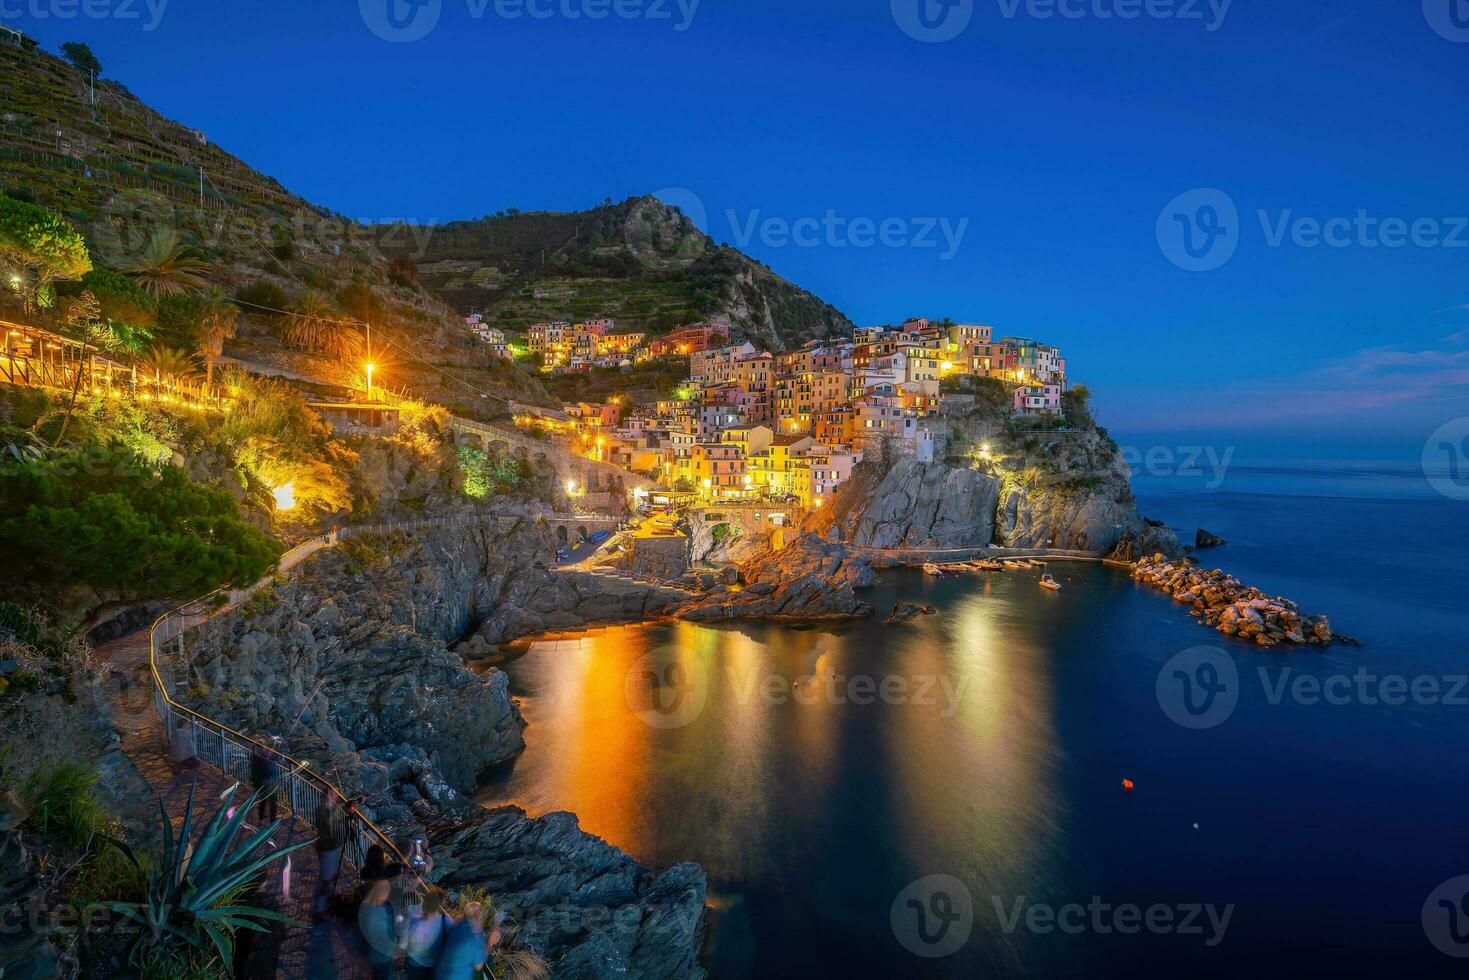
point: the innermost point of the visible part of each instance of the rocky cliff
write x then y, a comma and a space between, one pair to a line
348, 658
997, 485
809, 579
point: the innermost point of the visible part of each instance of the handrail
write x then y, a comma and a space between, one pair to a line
303, 789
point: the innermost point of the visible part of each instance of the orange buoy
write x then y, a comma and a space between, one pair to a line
1127, 785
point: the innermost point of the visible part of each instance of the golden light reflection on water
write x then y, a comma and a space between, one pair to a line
962, 764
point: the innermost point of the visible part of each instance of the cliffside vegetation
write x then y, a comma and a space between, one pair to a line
196, 228
639, 261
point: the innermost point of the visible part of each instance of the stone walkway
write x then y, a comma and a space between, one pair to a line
328, 949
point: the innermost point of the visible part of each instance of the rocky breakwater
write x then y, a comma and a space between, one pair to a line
1222, 601
808, 579
347, 657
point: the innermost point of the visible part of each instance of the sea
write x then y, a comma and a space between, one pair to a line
1080, 783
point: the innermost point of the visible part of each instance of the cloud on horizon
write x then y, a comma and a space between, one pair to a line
1379, 390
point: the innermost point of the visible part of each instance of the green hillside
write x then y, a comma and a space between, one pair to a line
638, 261
118, 170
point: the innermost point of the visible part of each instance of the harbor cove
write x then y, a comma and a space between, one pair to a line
717, 489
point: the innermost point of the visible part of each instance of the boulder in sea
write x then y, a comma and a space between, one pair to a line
1207, 539
904, 611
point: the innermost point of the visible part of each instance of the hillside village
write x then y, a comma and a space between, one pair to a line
750, 424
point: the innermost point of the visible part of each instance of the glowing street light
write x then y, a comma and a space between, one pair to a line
371, 367
285, 496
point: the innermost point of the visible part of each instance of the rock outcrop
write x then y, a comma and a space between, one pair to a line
809, 579
913, 505
1207, 539
587, 907
904, 611
348, 659
1233, 608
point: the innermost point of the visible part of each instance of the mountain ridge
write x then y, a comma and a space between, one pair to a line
640, 261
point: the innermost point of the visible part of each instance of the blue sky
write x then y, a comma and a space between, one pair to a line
1055, 144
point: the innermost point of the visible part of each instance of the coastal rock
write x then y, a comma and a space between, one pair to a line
912, 505
809, 579
1207, 539
581, 903
1223, 602
348, 659
904, 611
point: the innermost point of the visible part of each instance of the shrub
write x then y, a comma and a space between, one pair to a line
97, 518
263, 293
63, 802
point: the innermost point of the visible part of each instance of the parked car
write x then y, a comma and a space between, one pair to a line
562, 554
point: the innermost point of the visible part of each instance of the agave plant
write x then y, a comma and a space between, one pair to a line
189, 911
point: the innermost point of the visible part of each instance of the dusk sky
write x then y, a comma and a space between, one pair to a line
1043, 152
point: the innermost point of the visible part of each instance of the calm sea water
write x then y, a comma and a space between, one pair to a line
1325, 825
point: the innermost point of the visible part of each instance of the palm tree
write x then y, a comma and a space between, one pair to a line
216, 325
171, 365
318, 326
166, 266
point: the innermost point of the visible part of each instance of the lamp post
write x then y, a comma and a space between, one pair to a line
371, 367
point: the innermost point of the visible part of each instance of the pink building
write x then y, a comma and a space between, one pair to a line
1038, 400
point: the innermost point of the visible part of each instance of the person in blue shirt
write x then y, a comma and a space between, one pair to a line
466, 948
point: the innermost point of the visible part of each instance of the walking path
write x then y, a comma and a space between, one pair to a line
330, 949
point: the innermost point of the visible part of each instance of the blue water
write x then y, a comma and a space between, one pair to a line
1325, 826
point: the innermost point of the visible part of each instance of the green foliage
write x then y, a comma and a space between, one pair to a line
263, 293
166, 266
278, 440
62, 800
97, 518
179, 315
121, 302
81, 57
1076, 404
192, 907
35, 241
493, 474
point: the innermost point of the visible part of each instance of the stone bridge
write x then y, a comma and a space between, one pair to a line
590, 475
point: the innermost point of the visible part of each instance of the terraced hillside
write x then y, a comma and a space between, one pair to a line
118, 169
638, 261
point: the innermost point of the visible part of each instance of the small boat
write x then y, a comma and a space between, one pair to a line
1049, 583
929, 568
987, 565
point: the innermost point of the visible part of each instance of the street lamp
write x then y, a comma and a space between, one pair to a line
371, 367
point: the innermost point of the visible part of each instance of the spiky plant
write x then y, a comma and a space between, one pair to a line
171, 365
318, 326
190, 911
166, 266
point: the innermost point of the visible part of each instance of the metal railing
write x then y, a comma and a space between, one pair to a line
191, 734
